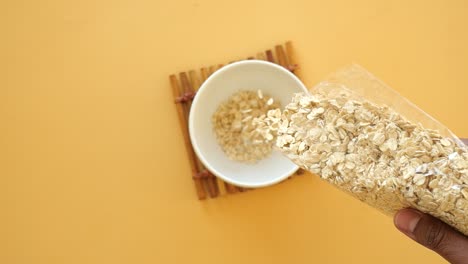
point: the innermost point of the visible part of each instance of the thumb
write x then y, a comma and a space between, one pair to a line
433, 234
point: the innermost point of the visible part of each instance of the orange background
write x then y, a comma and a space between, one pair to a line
93, 167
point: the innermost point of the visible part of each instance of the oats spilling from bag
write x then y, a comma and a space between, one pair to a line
233, 124
375, 154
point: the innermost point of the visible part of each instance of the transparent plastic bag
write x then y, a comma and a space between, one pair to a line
366, 139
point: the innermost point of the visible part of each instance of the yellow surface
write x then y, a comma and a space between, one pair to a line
93, 168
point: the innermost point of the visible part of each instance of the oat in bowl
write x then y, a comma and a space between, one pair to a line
235, 128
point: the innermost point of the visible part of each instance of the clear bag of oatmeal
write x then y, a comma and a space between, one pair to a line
363, 137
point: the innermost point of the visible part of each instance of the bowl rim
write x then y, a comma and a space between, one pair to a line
192, 132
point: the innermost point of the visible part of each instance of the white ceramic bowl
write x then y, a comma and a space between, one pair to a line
253, 75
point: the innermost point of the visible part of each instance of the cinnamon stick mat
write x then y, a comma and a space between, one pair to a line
184, 87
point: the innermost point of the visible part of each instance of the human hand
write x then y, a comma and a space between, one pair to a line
433, 234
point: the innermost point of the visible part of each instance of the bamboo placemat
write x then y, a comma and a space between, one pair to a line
184, 87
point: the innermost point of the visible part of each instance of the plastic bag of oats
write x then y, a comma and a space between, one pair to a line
364, 138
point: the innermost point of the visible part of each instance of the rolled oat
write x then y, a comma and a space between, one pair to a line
375, 154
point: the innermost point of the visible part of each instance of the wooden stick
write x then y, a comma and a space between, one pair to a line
293, 62
282, 59
213, 68
194, 80
188, 146
204, 74
221, 186
269, 56
300, 171
261, 56
186, 85
211, 180
230, 188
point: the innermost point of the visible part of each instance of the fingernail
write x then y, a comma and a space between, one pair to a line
406, 220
